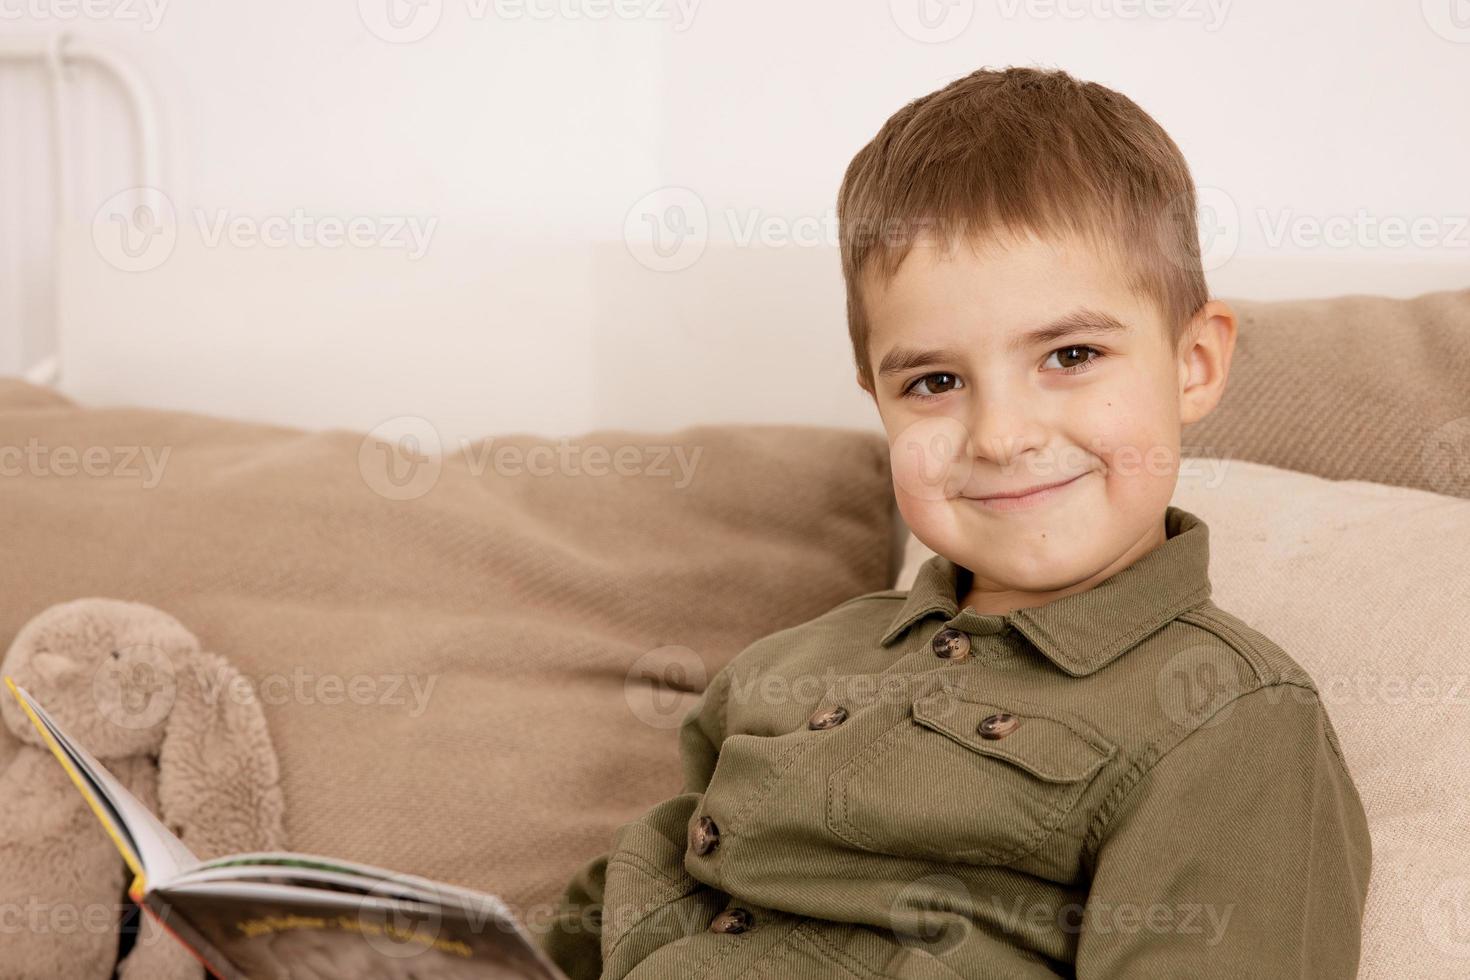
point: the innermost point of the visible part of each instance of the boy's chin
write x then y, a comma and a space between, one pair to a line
1030, 577
1017, 551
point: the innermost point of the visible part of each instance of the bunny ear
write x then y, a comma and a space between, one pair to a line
218, 777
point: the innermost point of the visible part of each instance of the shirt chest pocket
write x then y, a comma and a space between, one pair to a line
965, 779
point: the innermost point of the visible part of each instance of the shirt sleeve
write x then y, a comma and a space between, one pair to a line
573, 938
1242, 851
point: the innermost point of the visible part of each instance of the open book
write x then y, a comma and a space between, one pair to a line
279, 916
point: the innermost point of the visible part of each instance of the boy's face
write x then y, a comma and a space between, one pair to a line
975, 408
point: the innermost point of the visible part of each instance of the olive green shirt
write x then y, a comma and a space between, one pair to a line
1124, 782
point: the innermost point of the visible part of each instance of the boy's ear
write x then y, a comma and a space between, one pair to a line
1211, 345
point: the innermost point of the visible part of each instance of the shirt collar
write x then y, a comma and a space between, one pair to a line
1087, 630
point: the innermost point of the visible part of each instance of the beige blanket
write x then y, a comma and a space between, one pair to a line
472, 671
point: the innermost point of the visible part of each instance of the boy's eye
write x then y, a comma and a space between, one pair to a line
932, 384
1074, 359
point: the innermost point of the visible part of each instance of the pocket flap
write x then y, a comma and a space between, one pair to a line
1046, 746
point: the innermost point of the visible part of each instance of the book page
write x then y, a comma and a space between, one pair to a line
274, 930
370, 878
150, 849
307, 875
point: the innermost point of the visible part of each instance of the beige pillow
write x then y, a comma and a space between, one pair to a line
1366, 586
1350, 388
477, 682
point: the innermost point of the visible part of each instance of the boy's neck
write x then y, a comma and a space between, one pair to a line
989, 599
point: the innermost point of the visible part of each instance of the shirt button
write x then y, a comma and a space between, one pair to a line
826, 718
704, 836
999, 725
731, 921
951, 644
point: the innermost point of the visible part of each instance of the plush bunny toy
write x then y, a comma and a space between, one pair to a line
179, 727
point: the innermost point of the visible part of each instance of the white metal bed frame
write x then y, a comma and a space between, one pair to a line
58, 53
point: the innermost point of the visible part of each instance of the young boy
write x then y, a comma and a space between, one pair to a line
1054, 755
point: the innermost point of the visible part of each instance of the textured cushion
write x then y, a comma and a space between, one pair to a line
1350, 388
479, 681
1365, 586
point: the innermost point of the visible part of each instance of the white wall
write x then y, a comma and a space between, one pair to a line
550, 122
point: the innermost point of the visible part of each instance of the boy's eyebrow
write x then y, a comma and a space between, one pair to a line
1081, 320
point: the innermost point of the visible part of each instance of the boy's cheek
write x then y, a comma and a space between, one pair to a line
1139, 449
929, 459
933, 522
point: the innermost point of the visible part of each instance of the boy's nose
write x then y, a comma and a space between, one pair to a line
999, 428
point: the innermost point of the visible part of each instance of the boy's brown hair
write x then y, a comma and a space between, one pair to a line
1022, 150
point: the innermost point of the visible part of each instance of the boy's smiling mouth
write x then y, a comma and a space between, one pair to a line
1025, 498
